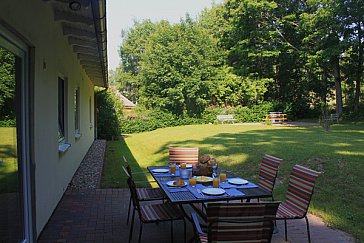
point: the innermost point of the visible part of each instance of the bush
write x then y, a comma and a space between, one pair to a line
147, 120
109, 115
8, 123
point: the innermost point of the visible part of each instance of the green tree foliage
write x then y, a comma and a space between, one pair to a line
7, 85
109, 115
177, 66
294, 53
133, 46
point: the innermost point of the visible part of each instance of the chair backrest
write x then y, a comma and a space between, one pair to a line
268, 172
241, 222
133, 194
183, 155
300, 189
127, 170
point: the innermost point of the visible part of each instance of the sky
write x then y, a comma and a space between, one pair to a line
122, 13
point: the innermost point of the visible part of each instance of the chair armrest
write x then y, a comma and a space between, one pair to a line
196, 223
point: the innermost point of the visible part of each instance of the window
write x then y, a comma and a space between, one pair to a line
90, 111
61, 110
16, 179
76, 105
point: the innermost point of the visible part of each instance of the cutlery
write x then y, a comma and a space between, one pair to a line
200, 192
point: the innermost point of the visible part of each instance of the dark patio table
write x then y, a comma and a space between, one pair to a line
188, 194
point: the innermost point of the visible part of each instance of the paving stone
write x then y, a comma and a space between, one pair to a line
99, 215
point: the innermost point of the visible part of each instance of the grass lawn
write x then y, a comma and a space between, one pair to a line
339, 154
9, 166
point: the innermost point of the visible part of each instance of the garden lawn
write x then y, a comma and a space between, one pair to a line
9, 166
338, 154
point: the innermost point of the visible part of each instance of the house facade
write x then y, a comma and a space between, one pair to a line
54, 54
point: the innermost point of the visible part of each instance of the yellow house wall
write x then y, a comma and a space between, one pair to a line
53, 171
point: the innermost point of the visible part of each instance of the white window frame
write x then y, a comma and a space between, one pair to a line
77, 111
90, 111
63, 146
21, 49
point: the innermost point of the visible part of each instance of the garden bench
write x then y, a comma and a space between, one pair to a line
223, 118
333, 117
277, 117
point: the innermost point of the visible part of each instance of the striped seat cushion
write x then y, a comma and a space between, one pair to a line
183, 155
268, 172
160, 212
241, 222
300, 189
146, 194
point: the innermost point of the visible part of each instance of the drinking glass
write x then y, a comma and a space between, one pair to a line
215, 182
183, 166
222, 177
173, 168
192, 181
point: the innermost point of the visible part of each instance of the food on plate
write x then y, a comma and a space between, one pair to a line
179, 183
203, 178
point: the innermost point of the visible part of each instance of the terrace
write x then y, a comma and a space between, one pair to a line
89, 214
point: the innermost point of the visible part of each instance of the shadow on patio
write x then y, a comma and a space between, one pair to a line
100, 216
86, 214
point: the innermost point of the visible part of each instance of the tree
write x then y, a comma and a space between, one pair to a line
133, 45
177, 68
326, 32
352, 15
7, 84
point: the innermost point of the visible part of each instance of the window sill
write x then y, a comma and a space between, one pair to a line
78, 135
62, 148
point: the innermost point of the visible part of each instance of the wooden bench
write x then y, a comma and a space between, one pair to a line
223, 118
333, 117
277, 117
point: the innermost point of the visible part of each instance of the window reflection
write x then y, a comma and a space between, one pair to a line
10, 206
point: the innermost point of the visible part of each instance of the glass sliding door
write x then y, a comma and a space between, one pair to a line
15, 203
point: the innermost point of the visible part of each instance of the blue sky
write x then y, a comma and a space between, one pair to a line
122, 13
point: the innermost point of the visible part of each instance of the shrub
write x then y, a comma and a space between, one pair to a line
8, 123
142, 120
109, 115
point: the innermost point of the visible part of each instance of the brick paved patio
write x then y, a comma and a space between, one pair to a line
100, 216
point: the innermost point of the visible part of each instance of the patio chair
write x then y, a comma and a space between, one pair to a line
268, 173
237, 222
144, 194
183, 155
300, 190
153, 213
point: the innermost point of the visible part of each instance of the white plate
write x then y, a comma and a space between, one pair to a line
170, 183
203, 179
160, 170
213, 191
238, 181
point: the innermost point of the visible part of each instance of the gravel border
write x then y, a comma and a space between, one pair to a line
88, 174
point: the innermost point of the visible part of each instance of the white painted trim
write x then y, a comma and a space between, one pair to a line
20, 49
63, 147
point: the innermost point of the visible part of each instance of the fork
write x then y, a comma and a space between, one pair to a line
200, 192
